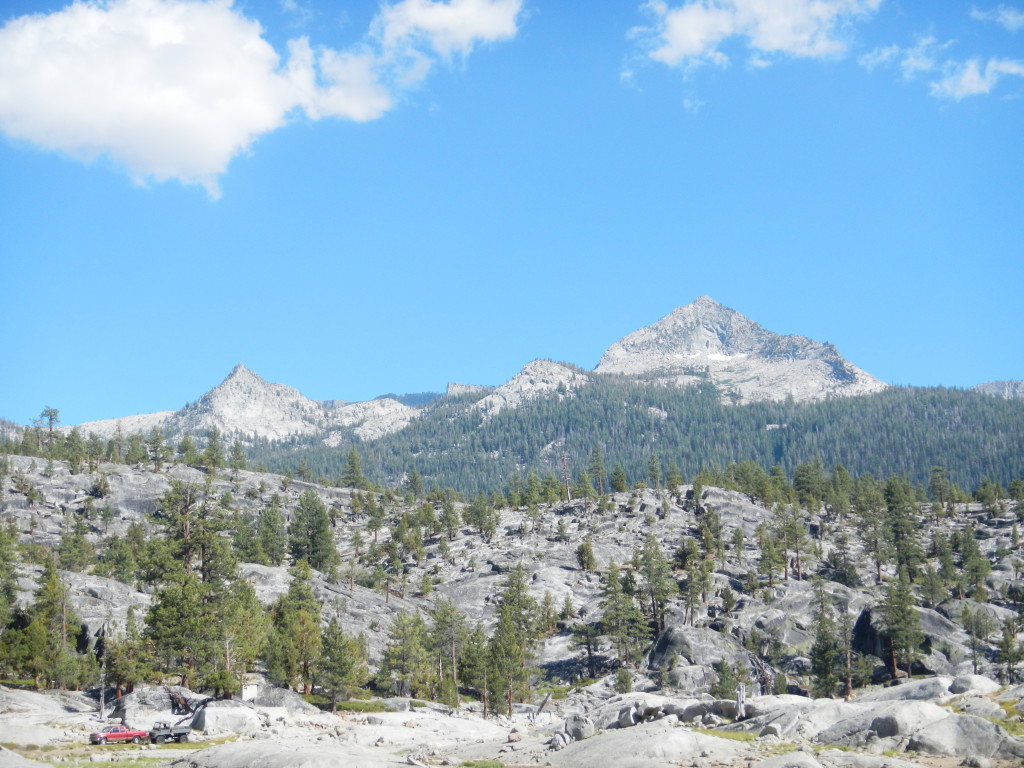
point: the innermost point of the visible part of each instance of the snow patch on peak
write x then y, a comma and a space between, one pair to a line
705, 340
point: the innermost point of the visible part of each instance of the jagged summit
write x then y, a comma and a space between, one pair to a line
537, 378
708, 340
247, 405
700, 342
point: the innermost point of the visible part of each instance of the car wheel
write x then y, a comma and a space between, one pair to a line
183, 738
136, 739
102, 740
159, 739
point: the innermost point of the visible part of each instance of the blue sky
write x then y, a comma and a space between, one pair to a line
359, 198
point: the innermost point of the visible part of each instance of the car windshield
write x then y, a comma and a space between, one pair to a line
110, 729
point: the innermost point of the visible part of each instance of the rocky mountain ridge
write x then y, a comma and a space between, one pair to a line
707, 341
1011, 390
246, 405
700, 342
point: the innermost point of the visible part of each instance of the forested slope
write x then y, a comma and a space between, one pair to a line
901, 430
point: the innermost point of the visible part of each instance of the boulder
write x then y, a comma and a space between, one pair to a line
928, 689
227, 717
761, 705
965, 736
860, 723
790, 760
148, 704
649, 745
692, 677
698, 645
10, 759
579, 726
973, 684
841, 759
272, 696
979, 706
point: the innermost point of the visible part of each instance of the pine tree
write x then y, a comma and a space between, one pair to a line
903, 524
932, 588
213, 454
352, 475
126, 658
659, 586
725, 686
868, 505
902, 625
76, 552
1009, 652
510, 649
237, 460
596, 468
155, 448
621, 620
978, 625
310, 536
54, 618
619, 481
450, 518
295, 641
585, 555
342, 665
586, 638
791, 530
654, 472
448, 638
405, 667
826, 650
8, 575
271, 533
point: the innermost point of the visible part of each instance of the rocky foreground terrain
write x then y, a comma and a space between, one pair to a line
918, 723
958, 709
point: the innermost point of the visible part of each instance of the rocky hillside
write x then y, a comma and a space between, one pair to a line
537, 379
469, 567
705, 340
1011, 390
730, 608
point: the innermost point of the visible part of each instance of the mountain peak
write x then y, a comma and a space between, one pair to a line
241, 372
706, 340
702, 301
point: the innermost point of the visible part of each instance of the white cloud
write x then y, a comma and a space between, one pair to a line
691, 33
448, 27
959, 79
971, 79
174, 89
880, 57
1012, 19
923, 57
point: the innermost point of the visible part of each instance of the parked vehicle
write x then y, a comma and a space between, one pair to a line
118, 734
166, 732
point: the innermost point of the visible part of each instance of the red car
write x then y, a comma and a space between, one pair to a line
118, 733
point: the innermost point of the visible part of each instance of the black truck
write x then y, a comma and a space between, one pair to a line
162, 732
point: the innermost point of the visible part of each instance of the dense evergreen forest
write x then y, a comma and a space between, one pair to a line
903, 430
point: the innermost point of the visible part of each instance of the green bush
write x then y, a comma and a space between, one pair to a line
623, 681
